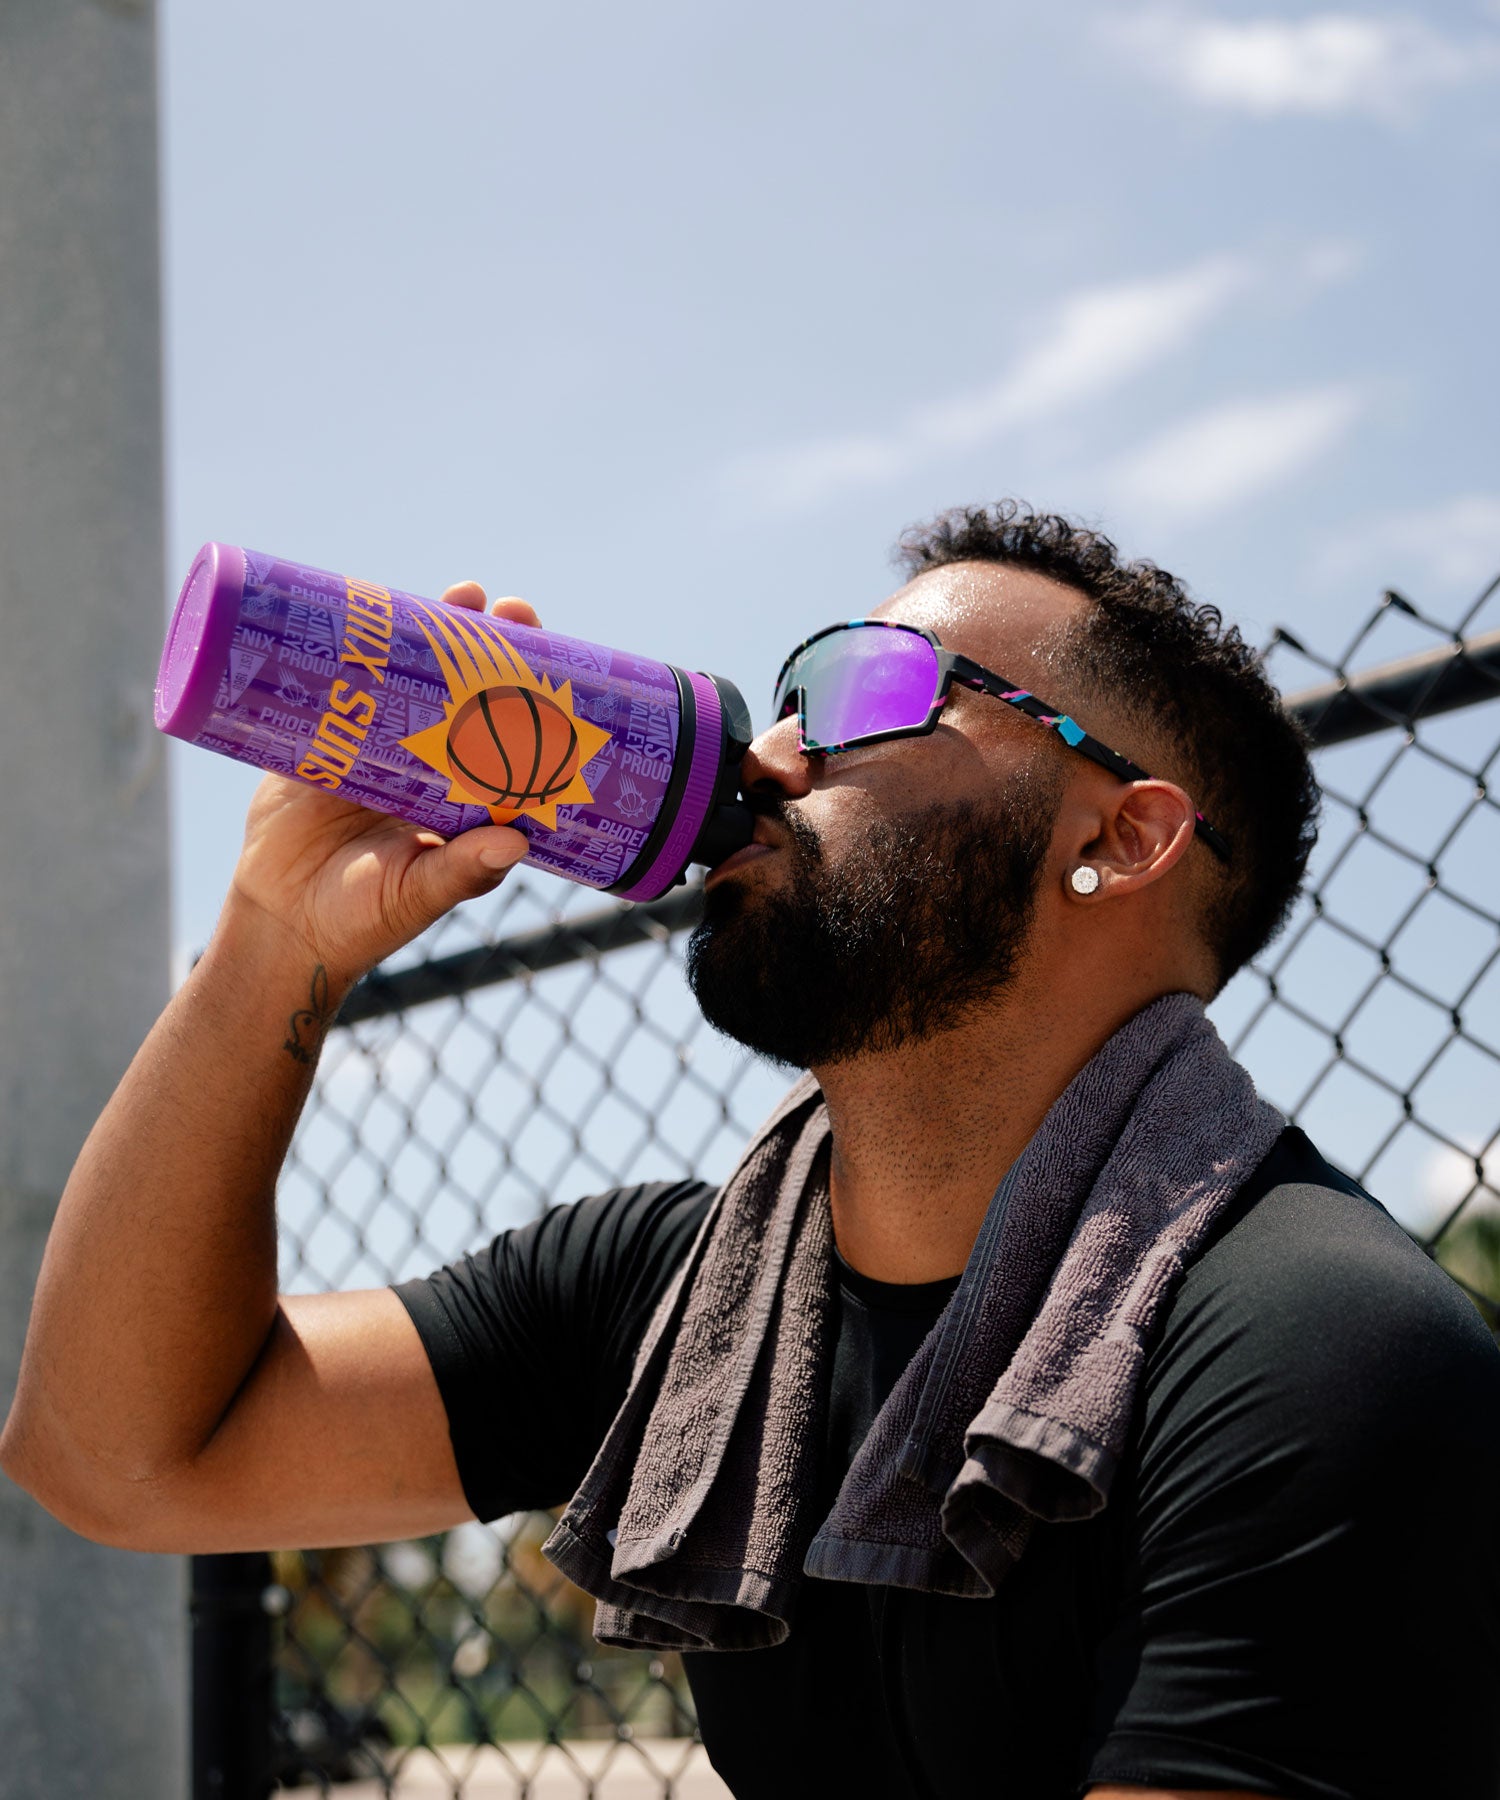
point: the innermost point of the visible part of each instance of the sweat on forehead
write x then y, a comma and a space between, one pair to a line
990, 612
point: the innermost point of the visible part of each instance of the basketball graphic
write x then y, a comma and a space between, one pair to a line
514, 745
507, 741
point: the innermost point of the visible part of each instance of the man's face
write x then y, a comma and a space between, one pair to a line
892, 886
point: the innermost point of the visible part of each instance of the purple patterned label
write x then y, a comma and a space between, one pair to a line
448, 717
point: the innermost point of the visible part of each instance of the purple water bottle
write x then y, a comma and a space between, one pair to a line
619, 770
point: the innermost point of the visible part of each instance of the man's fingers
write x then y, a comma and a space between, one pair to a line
472, 595
522, 612
466, 866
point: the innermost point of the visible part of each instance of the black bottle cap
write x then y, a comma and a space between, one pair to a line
730, 822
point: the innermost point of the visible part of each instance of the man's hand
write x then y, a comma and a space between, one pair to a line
351, 885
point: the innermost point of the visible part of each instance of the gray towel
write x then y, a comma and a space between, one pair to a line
695, 1524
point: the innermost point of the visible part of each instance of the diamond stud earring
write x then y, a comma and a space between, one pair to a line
1085, 879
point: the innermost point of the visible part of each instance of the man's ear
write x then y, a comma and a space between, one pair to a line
1145, 827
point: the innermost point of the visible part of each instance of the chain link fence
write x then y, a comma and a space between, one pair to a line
536, 1047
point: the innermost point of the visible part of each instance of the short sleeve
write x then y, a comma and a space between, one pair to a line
1312, 1588
532, 1339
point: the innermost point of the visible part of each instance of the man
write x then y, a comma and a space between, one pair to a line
1293, 1589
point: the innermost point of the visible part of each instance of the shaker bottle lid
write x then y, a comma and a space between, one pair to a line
198, 640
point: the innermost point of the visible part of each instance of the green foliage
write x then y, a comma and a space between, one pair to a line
1470, 1251
435, 1665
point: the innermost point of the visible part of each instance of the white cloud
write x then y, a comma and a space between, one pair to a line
803, 476
1455, 542
1334, 260
1327, 64
1233, 452
1099, 338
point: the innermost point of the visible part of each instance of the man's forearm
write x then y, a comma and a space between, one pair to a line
158, 1287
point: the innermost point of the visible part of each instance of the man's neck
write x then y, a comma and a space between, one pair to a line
923, 1135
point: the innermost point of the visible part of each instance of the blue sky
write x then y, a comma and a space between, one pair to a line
671, 317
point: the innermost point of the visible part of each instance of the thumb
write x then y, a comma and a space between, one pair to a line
496, 848
468, 865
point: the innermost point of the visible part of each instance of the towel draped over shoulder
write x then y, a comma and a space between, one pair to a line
695, 1525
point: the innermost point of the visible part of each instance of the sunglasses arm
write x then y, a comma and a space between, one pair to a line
975, 675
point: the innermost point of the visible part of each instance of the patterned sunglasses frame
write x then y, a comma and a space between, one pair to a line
952, 667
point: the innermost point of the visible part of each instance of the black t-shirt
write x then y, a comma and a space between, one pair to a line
1294, 1589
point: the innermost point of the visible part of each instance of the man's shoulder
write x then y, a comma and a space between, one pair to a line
1302, 1234
589, 1270
621, 1233
1311, 1569
1311, 1288
598, 1266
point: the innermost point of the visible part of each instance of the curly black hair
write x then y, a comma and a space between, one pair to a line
1172, 661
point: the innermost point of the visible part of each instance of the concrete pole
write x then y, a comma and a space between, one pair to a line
93, 1666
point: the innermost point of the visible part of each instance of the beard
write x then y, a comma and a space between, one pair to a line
909, 933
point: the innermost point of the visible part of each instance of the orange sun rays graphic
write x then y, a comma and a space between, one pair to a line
526, 727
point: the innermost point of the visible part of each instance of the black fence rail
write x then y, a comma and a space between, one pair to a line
539, 1046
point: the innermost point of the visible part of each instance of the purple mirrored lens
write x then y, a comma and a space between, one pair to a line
862, 680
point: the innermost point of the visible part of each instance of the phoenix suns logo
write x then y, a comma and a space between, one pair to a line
508, 740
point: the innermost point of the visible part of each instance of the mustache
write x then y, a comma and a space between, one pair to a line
783, 813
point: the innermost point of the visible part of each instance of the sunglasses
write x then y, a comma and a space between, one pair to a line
869, 680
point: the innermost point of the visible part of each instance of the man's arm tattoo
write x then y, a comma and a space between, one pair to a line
306, 1026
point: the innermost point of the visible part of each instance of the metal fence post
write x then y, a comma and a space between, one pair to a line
92, 1641
233, 1662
